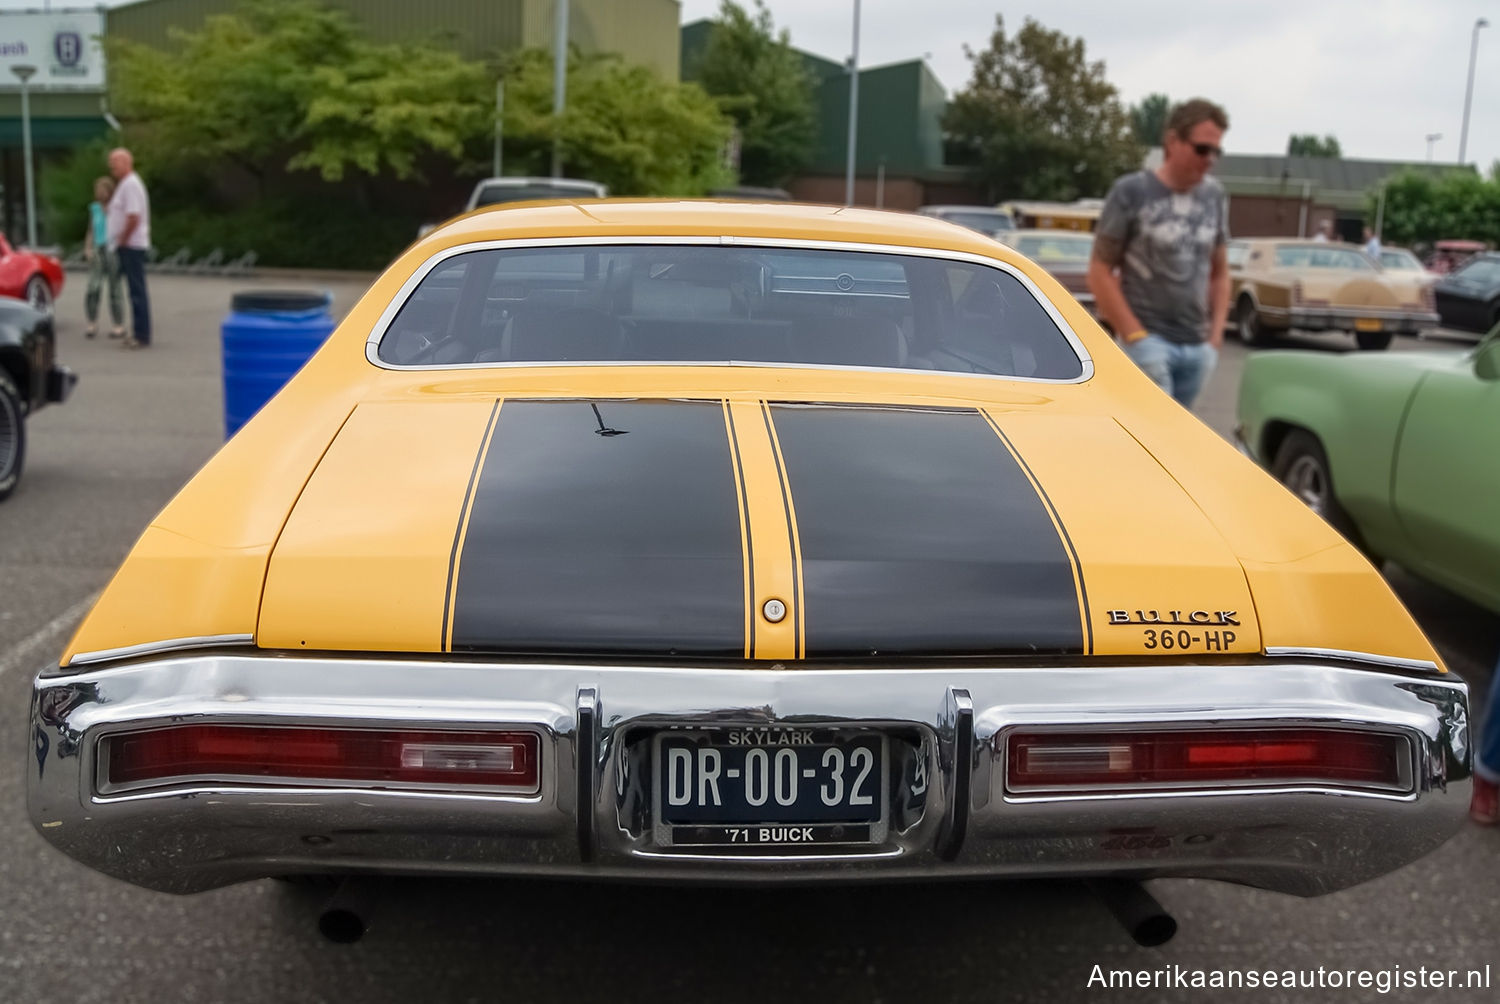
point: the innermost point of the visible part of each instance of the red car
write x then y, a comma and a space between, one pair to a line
30, 275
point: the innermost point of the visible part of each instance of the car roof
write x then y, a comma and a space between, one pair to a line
774, 221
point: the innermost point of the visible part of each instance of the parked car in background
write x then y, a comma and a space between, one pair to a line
751, 193
495, 191
1316, 286
1399, 452
1081, 214
1401, 260
1063, 253
679, 543
33, 276
1469, 299
1448, 255
985, 219
30, 377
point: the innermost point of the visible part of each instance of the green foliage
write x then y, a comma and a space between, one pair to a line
65, 188
1148, 120
1308, 145
622, 125
1038, 120
1455, 205
764, 85
291, 84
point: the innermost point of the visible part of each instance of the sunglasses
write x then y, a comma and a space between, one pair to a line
1207, 150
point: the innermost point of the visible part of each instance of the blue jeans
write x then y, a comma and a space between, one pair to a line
133, 267
1487, 760
1180, 370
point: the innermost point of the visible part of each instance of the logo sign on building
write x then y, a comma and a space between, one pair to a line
62, 46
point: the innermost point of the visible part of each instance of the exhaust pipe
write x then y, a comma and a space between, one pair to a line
346, 916
1146, 921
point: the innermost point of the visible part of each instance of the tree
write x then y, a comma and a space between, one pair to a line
289, 84
1037, 120
1420, 207
622, 125
762, 83
1308, 145
1149, 119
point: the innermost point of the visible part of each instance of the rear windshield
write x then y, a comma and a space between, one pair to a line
674, 303
1312, 256
1401, 261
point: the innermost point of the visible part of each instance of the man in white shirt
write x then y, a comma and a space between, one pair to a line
1372, 245
1325, 231
129, 230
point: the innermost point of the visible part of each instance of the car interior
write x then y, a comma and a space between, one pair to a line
713, 304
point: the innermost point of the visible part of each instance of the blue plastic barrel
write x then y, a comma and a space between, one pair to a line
266, 338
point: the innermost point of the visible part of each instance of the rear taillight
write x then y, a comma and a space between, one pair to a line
1082, 762
499, 761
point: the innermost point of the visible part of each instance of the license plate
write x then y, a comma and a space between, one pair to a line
769, 787
1366, 324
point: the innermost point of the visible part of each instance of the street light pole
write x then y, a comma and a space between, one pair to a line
1432, 138
559, 82
25, 73
853, 110
1463, 136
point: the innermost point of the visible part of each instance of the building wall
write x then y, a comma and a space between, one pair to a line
1274, 216
899, 193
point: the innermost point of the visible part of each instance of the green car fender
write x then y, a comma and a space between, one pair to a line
1354, 405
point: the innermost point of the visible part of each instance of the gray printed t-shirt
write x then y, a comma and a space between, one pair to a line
1162, 242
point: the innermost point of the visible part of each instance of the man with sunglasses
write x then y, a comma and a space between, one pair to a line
1158, 273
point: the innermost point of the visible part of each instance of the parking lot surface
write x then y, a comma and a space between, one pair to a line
141, 423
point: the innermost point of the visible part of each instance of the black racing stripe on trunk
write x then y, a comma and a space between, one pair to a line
463, 518
922, 535
1083, 589
627, 543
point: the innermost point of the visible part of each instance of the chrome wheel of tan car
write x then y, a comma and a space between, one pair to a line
1247, 323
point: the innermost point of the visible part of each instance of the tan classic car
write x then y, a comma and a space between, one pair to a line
1321, 286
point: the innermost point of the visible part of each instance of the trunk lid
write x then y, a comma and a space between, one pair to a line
661, 529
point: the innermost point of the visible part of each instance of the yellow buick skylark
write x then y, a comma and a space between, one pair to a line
739, 543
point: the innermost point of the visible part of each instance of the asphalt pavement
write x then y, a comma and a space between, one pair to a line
142, 422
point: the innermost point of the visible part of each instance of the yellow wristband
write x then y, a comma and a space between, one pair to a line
1135, 336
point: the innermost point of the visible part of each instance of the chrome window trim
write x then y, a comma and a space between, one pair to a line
160, 647
388, 315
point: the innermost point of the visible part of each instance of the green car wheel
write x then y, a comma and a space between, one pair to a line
1302, 465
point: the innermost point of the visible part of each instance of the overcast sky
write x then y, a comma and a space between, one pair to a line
1378, 74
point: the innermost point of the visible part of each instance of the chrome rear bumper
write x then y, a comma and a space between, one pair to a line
592, 822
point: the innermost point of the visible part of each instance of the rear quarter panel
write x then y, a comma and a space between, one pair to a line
1354, 405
